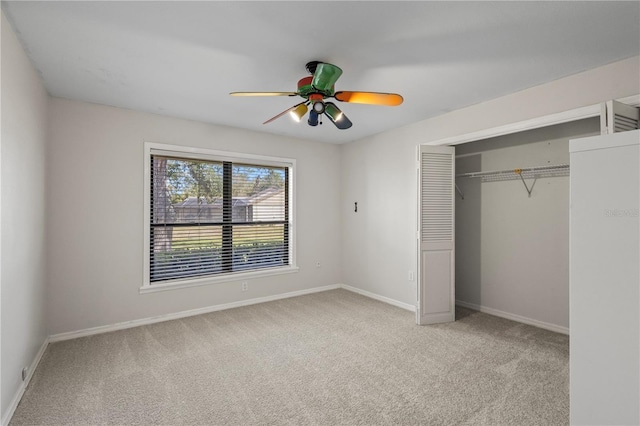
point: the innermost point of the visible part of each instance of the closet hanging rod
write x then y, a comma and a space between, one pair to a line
516, 174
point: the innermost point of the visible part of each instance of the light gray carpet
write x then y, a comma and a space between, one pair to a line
331, 358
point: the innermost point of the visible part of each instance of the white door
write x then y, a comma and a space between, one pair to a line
436, 237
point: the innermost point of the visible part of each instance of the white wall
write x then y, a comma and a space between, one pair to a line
379, 242
512, 250
22, 265
95, 214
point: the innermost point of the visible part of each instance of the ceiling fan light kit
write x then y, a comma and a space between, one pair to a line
336, 116
313, 118
318, 87
318, 107
299, 112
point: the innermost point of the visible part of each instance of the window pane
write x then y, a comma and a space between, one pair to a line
259, 246
186, 191
185, 251
258, 193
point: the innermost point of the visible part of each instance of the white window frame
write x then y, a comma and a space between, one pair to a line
153, 148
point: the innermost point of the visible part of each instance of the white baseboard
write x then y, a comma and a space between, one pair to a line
23, 386
388, 300
183, 314
514, 317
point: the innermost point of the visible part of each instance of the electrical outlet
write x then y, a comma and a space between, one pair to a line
244, 286
24, 373
318, 264
411, 276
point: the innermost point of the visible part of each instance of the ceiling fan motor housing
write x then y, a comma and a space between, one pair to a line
304, 86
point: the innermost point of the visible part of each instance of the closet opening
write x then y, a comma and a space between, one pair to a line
512, 224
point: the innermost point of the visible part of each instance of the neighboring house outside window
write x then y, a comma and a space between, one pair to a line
214, 216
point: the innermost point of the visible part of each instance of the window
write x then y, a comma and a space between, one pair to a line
215, 216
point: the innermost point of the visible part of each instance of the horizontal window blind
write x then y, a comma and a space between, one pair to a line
216, 217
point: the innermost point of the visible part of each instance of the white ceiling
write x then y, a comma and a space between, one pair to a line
183, 58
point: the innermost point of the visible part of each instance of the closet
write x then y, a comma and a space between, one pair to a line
547, 232
512, 224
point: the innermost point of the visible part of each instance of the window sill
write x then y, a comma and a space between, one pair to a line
197, 282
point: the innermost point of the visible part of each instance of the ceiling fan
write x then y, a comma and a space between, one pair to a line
318, 87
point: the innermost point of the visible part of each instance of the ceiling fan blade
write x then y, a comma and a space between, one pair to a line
325, 77
336, 116
371, 98
263, 94
284, 112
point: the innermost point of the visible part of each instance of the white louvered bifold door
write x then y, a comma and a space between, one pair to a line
617, 117
436, 219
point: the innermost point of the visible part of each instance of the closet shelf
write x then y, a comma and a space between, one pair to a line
517, 174
534, 173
